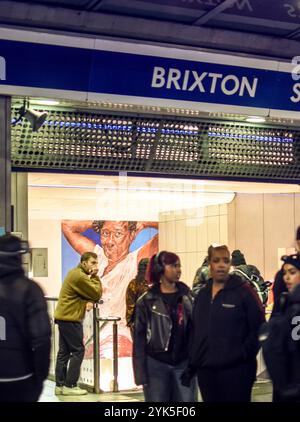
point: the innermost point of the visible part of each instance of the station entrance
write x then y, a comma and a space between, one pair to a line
182, 181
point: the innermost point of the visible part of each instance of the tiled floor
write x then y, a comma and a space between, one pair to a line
49, 396
262, 392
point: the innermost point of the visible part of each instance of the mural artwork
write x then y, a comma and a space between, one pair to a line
120, 245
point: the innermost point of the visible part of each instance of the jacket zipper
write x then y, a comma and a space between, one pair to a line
171, 326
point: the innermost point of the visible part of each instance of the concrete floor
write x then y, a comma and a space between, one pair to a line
262, 392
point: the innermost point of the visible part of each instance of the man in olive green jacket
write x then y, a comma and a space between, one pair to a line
80, 287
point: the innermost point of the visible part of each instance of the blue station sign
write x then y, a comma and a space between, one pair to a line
154, 75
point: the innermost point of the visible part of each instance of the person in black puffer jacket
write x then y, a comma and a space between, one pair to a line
25, 332
161, 333
280, 337
226, 319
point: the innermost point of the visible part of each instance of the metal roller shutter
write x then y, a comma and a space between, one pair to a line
83, 141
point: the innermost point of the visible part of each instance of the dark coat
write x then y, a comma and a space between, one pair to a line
225, 329
153, 327
25, 329
134, 290
280, 339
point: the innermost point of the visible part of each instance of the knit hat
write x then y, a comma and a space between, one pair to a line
11, 246
237, 258
11, 250
292, 260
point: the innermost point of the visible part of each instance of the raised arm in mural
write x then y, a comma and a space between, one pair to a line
117, 267
116, 238
73, 229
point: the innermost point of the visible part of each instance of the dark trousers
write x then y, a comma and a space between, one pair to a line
277, 398
70, 354
28, 390
164, 383
232, 384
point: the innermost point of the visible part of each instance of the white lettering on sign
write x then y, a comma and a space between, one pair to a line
2, 328
243, 4
2, 69
296, 90
292, 10
296, 68
296, 330
239, 4
203, 82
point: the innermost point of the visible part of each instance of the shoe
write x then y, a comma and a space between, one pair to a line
73, 391
58, 390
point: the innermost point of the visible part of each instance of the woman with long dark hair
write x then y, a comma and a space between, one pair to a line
161, 333
279, 285
135, 289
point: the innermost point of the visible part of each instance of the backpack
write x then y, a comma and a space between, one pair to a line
251, 274
200, 279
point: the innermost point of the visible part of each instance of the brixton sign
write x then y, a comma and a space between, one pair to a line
100, 70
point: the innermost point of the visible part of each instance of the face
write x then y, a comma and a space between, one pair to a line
172, 272
291, 276
220, 265
90, 266
115, 239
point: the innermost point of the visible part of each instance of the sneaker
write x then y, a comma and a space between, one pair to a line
73, 391
58, 390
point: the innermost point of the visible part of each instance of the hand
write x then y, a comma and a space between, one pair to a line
94, 272
186, 377
140, 225
89, 306
291, 392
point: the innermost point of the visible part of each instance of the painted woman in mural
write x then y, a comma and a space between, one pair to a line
117, 267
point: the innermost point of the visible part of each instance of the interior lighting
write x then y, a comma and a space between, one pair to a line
46, 102
255, 119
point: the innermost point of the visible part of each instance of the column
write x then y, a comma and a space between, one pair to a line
19, 199
5, 164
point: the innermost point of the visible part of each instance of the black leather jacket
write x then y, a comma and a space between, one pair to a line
153, 327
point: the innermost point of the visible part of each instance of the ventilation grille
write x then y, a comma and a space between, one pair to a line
92, 142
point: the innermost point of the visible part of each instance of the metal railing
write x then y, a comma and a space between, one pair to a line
51, 301
115, 349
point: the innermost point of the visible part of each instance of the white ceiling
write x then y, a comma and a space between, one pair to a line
73, 196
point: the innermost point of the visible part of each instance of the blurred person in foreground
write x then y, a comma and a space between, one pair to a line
25, 332
280, 337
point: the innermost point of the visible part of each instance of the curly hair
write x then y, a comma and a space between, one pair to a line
87, 255
98, 225
220, 248
142, 268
